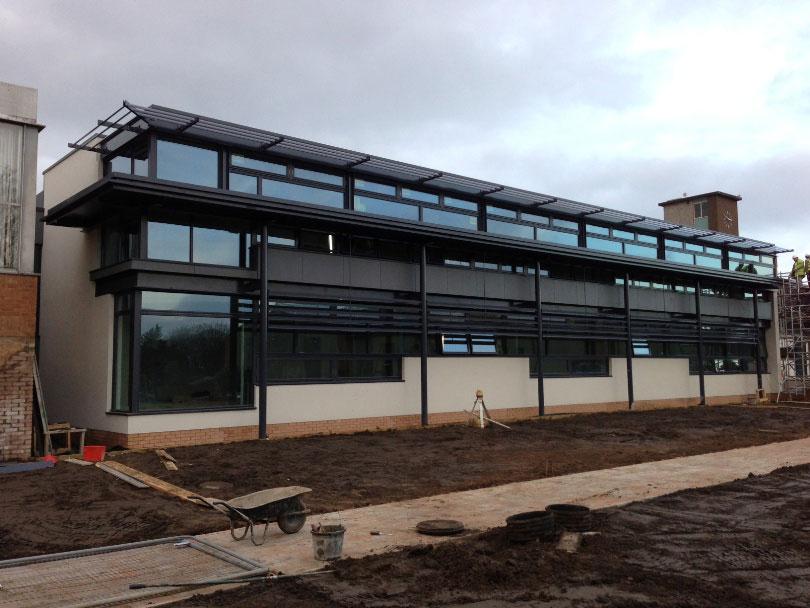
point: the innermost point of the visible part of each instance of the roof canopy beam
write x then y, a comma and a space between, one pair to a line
226, 133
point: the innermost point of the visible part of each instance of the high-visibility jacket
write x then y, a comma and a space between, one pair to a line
798, 269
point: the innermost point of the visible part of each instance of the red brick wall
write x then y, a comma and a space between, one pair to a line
18, 309
354, 425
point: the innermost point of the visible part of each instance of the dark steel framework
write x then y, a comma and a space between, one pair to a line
538, 301
629, 338
441, 314
264, 280
131, 120
701, 357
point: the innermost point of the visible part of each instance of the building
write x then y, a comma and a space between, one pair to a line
711, 211
19, 132
387, 292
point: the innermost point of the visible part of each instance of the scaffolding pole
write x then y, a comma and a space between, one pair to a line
794, 337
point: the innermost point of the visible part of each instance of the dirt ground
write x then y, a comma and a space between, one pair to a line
347, 471
71, 507
745, 543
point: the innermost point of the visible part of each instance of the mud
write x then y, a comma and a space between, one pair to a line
746, 543
347, 471
71, 507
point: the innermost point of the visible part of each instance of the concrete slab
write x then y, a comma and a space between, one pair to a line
488, 507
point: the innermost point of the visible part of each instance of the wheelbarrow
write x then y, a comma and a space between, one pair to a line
281, 505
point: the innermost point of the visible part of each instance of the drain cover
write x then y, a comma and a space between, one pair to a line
440, 527
216, 486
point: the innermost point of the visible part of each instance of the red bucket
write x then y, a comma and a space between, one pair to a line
93, 453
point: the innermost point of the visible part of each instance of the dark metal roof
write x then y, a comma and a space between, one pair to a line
685, 198
130, 120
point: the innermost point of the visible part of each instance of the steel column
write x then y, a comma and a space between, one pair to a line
630, 397
759, 343
541, 396
263, 334
424, 341
700, 354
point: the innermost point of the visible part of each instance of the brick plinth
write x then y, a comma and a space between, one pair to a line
18, 309
380, 423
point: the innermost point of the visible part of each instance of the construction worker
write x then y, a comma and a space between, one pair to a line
807, 268
799, 270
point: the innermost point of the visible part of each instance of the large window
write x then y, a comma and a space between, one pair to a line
11, 177
189, 164
170, 242
122, 354
134, 160
119, 240
195, 352
615, 240
751, 263
310, 357
415, 205
198, 244
284, 182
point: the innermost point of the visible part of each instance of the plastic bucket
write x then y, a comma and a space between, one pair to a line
93, 453
327, 542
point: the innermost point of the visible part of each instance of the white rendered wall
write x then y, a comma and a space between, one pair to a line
76, 327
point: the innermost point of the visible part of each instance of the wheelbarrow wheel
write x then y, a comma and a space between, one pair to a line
290, 523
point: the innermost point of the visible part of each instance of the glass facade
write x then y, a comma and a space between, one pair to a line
448, 218
188, 164
171, 242
298, 193
195, 352
377, 206
239, 182
216, 246
310, 357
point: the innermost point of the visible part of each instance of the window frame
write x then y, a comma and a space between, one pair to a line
135, 313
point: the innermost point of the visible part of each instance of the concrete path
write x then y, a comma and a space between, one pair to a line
488, 507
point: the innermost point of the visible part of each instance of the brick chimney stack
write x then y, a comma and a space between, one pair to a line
711, 211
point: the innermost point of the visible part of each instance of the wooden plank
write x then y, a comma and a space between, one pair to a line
57, 426
43, 416
152, 482
122, 476
168, 461
83, 463
166, 456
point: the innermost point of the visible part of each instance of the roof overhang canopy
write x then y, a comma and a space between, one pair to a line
130, 120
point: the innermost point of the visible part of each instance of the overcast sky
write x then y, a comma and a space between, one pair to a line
623, 104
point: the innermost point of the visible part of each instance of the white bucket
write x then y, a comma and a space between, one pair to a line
327, 542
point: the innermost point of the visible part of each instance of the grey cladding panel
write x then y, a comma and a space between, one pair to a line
494, 284
323, 269
718, 307
567, 292
462, 282
646, 299
287, 265
611, 296
679, 303
361, 272
519, 287
741, 308
436, 279
399, 276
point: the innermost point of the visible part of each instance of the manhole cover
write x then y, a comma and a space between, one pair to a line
216, 486
440, 527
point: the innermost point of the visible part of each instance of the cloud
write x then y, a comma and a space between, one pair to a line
622, 104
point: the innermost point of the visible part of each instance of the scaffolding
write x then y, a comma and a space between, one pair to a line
794, 338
